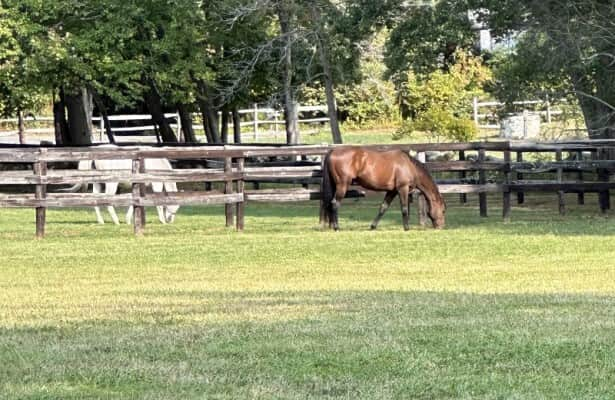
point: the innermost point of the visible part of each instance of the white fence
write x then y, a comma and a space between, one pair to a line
485, 120
263, 122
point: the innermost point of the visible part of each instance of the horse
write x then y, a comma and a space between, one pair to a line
166, 214
394, 171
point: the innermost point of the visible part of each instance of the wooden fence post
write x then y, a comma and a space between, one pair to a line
560, 178
323, 217
228, 188
463, 198
241, 189
40, 170
581, 193
422, 203
506, 193
520, 194
138, 192
604, 196
482, 180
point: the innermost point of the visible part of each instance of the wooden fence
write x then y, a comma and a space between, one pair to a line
257, 122
485, 120
472, 168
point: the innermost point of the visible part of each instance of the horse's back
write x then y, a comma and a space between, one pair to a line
372, 169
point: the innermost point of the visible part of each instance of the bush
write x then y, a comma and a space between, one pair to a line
439, 103
437, 124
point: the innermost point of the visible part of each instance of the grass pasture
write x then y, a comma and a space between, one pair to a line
479, 310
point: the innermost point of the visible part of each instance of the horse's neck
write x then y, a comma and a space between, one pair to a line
429, 188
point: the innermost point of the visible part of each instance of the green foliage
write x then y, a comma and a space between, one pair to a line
18, 87
425, 39
438, 123
523, 73
562, 48
369, 102
438, 103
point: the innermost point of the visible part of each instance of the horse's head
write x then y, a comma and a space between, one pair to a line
437, 209
169, 213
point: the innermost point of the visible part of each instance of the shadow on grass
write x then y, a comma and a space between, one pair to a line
319, 344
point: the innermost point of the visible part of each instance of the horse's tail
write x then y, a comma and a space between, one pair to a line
83, 166
327, 190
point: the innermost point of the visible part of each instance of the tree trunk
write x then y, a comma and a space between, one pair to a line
105, 116
236, 126
224, 125
598, 114
323, 52
205, 117
186, 120
154, 105
291, 115
209, 113
79, 107
60, 125
210, 121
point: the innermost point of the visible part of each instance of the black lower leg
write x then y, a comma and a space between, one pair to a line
405, 213
334, 214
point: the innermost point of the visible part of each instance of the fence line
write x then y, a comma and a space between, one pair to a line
465, 174
273, 117
548, 113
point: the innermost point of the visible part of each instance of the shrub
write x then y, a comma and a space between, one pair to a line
439, 103
438, 123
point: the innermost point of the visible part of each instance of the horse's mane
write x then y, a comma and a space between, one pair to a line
421, 167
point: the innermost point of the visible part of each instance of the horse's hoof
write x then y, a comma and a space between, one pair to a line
372, 227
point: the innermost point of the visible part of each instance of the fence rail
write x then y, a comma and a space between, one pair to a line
256, 118
475, 168
548, 110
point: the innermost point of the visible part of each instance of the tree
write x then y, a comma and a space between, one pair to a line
563, 41
18, 93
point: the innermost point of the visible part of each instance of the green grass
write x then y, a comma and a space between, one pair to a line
482, 309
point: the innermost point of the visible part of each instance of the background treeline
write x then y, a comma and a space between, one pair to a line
371, 62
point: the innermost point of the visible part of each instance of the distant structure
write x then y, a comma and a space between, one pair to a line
486, 42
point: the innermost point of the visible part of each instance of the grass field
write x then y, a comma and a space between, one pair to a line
480, 310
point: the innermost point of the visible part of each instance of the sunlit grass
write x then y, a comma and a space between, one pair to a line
481, 309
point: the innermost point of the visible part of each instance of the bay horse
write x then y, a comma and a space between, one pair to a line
394, 171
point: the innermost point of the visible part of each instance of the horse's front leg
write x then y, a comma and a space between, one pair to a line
97, 188
388, 198
404, 193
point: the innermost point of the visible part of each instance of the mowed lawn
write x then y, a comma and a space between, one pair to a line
284, 310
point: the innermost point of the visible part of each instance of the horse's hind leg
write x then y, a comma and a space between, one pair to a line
340, 192
129, 214
405, 207
388, 198
157, 187
111, 188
